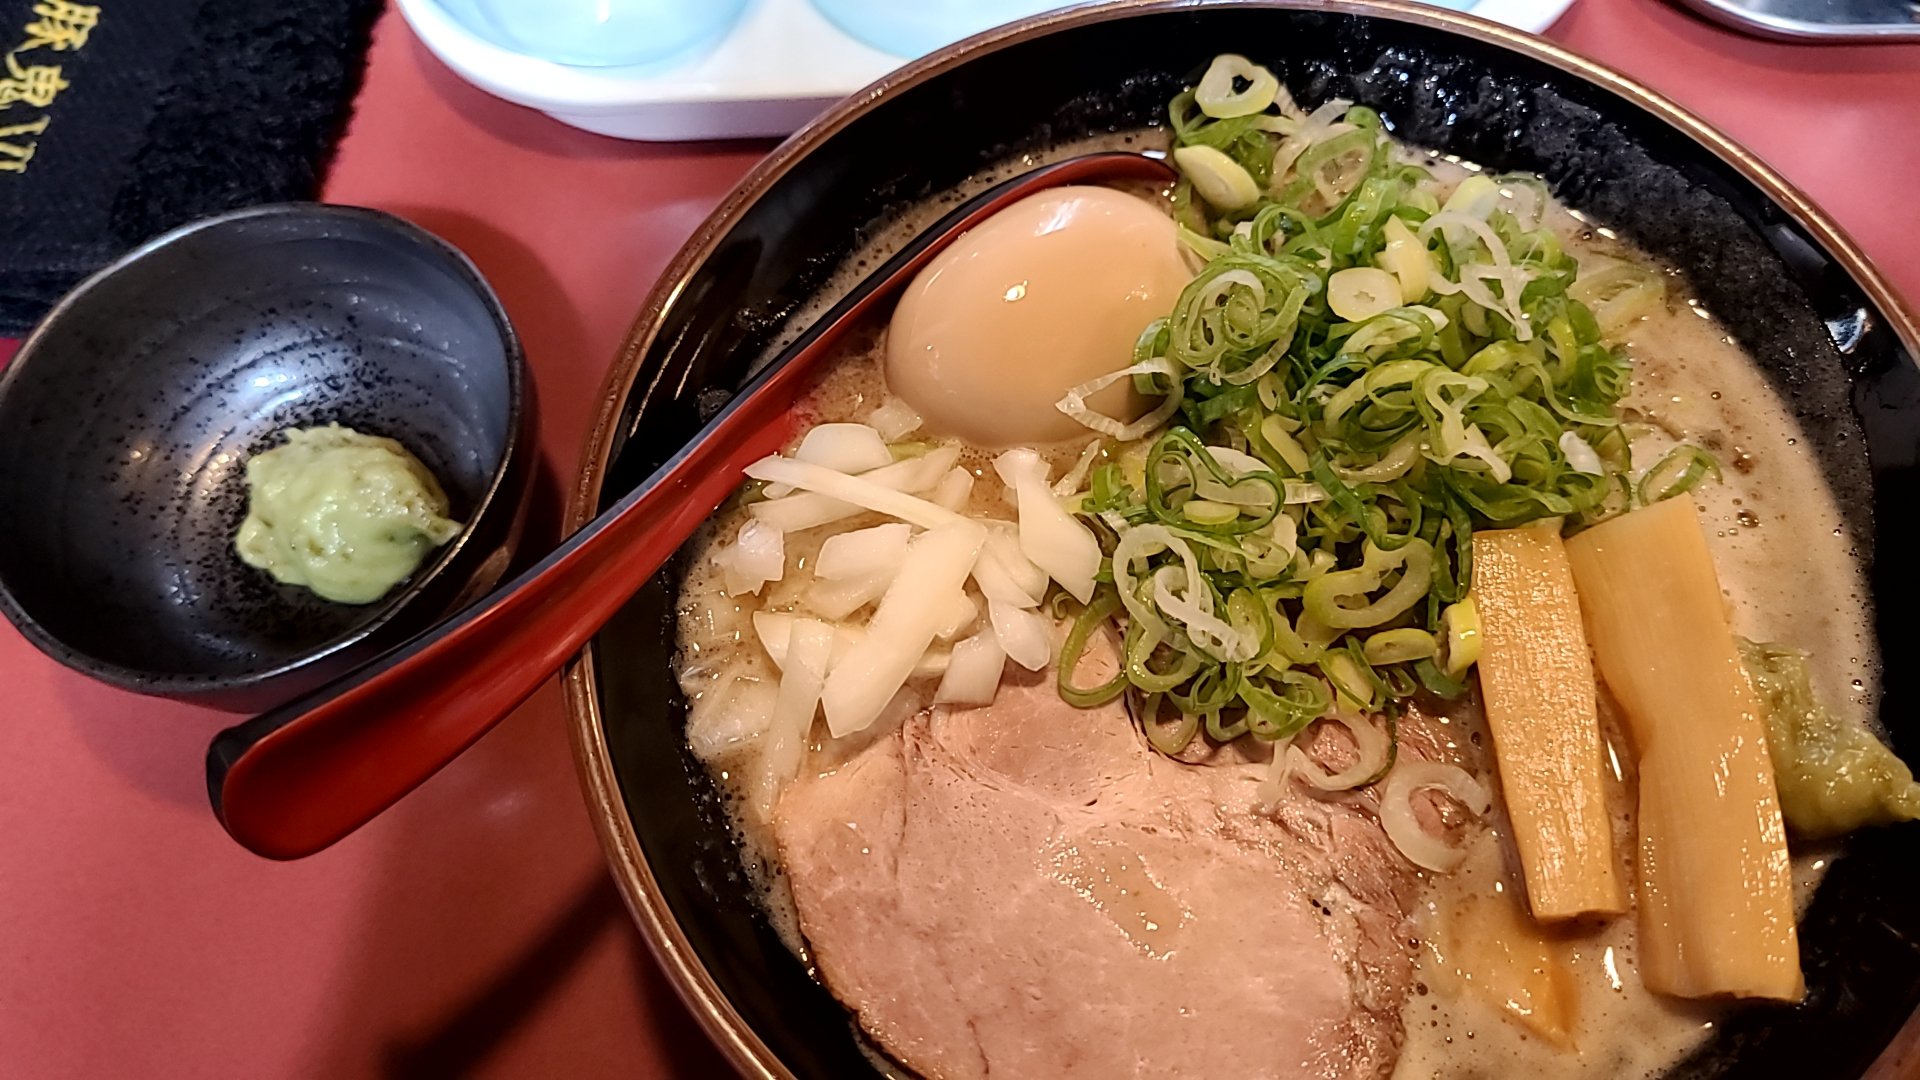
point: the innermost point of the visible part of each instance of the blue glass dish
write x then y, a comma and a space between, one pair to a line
599, 33
912, 28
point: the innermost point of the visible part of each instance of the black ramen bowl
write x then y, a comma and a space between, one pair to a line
128, 416
1824, 326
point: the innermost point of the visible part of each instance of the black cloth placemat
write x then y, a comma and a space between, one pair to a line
120, 119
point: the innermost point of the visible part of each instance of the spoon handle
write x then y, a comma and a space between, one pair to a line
292, 781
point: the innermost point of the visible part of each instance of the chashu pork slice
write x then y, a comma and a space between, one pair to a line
1027, 890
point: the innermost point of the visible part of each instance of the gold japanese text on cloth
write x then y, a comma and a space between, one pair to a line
30, 83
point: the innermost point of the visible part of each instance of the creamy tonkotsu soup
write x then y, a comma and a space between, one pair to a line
1426, 653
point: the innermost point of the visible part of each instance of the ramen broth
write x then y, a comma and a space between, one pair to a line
1776, 533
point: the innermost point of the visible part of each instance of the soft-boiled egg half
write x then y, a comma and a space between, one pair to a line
1049, 293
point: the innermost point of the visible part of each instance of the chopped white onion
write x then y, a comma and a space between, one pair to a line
1058, 545
734, 715
1024, 633
809, 646
1373, 747
760, 551
957, 617
756, 556
905, 702
895, 420
953, 490
794, 513
933, 664
859, 491
1074, 404
1006, 547
797, 513
836, 599
1009, 497
774, 627
997, 583
1071, 482
734, 584
1581, 455
937, 565
1410, 776
973, 672
922, 474
847, 448
959, 613
1004, 551
862, 552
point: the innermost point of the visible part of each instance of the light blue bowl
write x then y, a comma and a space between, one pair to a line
912, 28
599, 33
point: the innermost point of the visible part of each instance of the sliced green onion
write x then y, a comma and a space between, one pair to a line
1461, 624
1167, 738
1085, 625
1358, 375
1331, 598
1219, 179
1399, 646
1217, 97
1680, 471
1618, 293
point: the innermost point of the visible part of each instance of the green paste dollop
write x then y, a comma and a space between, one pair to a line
346, 515
1834, 775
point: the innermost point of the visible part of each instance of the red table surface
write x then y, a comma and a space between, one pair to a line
472, 930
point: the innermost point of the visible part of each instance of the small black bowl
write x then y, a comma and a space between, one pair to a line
128, 416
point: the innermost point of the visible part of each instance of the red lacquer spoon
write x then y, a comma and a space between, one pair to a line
292, 781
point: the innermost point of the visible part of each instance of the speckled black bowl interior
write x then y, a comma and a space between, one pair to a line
127, 419
1816, 331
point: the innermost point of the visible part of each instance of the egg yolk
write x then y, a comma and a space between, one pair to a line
1049, 293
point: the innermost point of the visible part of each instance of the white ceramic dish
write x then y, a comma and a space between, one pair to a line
782, 64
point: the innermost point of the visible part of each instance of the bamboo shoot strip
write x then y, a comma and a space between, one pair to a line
1536, 678
1715, 891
